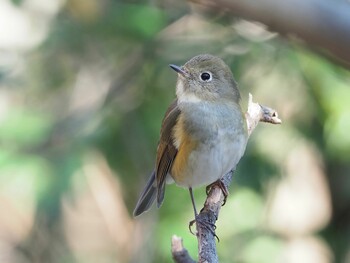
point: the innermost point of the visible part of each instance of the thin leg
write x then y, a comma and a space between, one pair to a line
193, 203
195, 212
211, 227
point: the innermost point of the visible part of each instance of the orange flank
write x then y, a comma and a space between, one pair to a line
185, 145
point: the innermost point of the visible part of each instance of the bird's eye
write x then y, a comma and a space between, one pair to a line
206, 76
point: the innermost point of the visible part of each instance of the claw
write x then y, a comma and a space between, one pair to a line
223, 188
207, 225
190, 226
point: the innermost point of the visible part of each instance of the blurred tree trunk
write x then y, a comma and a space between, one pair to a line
323, 25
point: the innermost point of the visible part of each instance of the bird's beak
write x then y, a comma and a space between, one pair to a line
178, 70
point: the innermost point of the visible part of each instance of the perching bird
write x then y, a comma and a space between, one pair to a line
203, 134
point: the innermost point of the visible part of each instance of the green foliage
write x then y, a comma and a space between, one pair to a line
24, 128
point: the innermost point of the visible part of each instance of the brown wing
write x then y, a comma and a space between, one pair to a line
166, 151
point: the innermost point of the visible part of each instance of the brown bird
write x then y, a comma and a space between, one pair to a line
203, 134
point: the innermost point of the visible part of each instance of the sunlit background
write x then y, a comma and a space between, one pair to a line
83, 89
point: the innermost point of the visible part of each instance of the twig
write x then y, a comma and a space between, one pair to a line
180, 254
257, 113
206, 239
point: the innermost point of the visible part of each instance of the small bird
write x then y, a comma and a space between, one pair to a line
203, 134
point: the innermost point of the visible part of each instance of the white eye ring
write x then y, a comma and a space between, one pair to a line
206, 76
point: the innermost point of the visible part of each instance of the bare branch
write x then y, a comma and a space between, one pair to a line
257, 112
323, 25
180, 254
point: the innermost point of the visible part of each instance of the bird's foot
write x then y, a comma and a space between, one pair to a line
223, 188
201, 223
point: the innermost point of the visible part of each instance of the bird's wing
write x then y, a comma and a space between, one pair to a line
166, 151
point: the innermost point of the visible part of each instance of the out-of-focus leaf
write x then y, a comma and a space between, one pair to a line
22, 175
331, 87
140, 21
263, 249
24, 127
243, 212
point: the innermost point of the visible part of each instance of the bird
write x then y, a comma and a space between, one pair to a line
203, 133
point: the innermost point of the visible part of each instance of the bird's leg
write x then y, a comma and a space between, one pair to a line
222, 186
195, 211
209, 226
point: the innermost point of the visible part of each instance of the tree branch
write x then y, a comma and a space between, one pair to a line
323, 25
180, 254
210, 212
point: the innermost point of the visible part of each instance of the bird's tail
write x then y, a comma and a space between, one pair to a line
147, 196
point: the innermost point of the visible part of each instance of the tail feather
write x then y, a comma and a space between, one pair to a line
147, 197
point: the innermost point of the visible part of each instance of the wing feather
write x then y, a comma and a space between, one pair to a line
166, 151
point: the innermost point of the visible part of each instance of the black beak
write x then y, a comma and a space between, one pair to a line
178, 70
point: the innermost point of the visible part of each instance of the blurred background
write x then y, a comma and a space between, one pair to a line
83, 89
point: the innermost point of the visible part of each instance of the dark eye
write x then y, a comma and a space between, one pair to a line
206, 76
